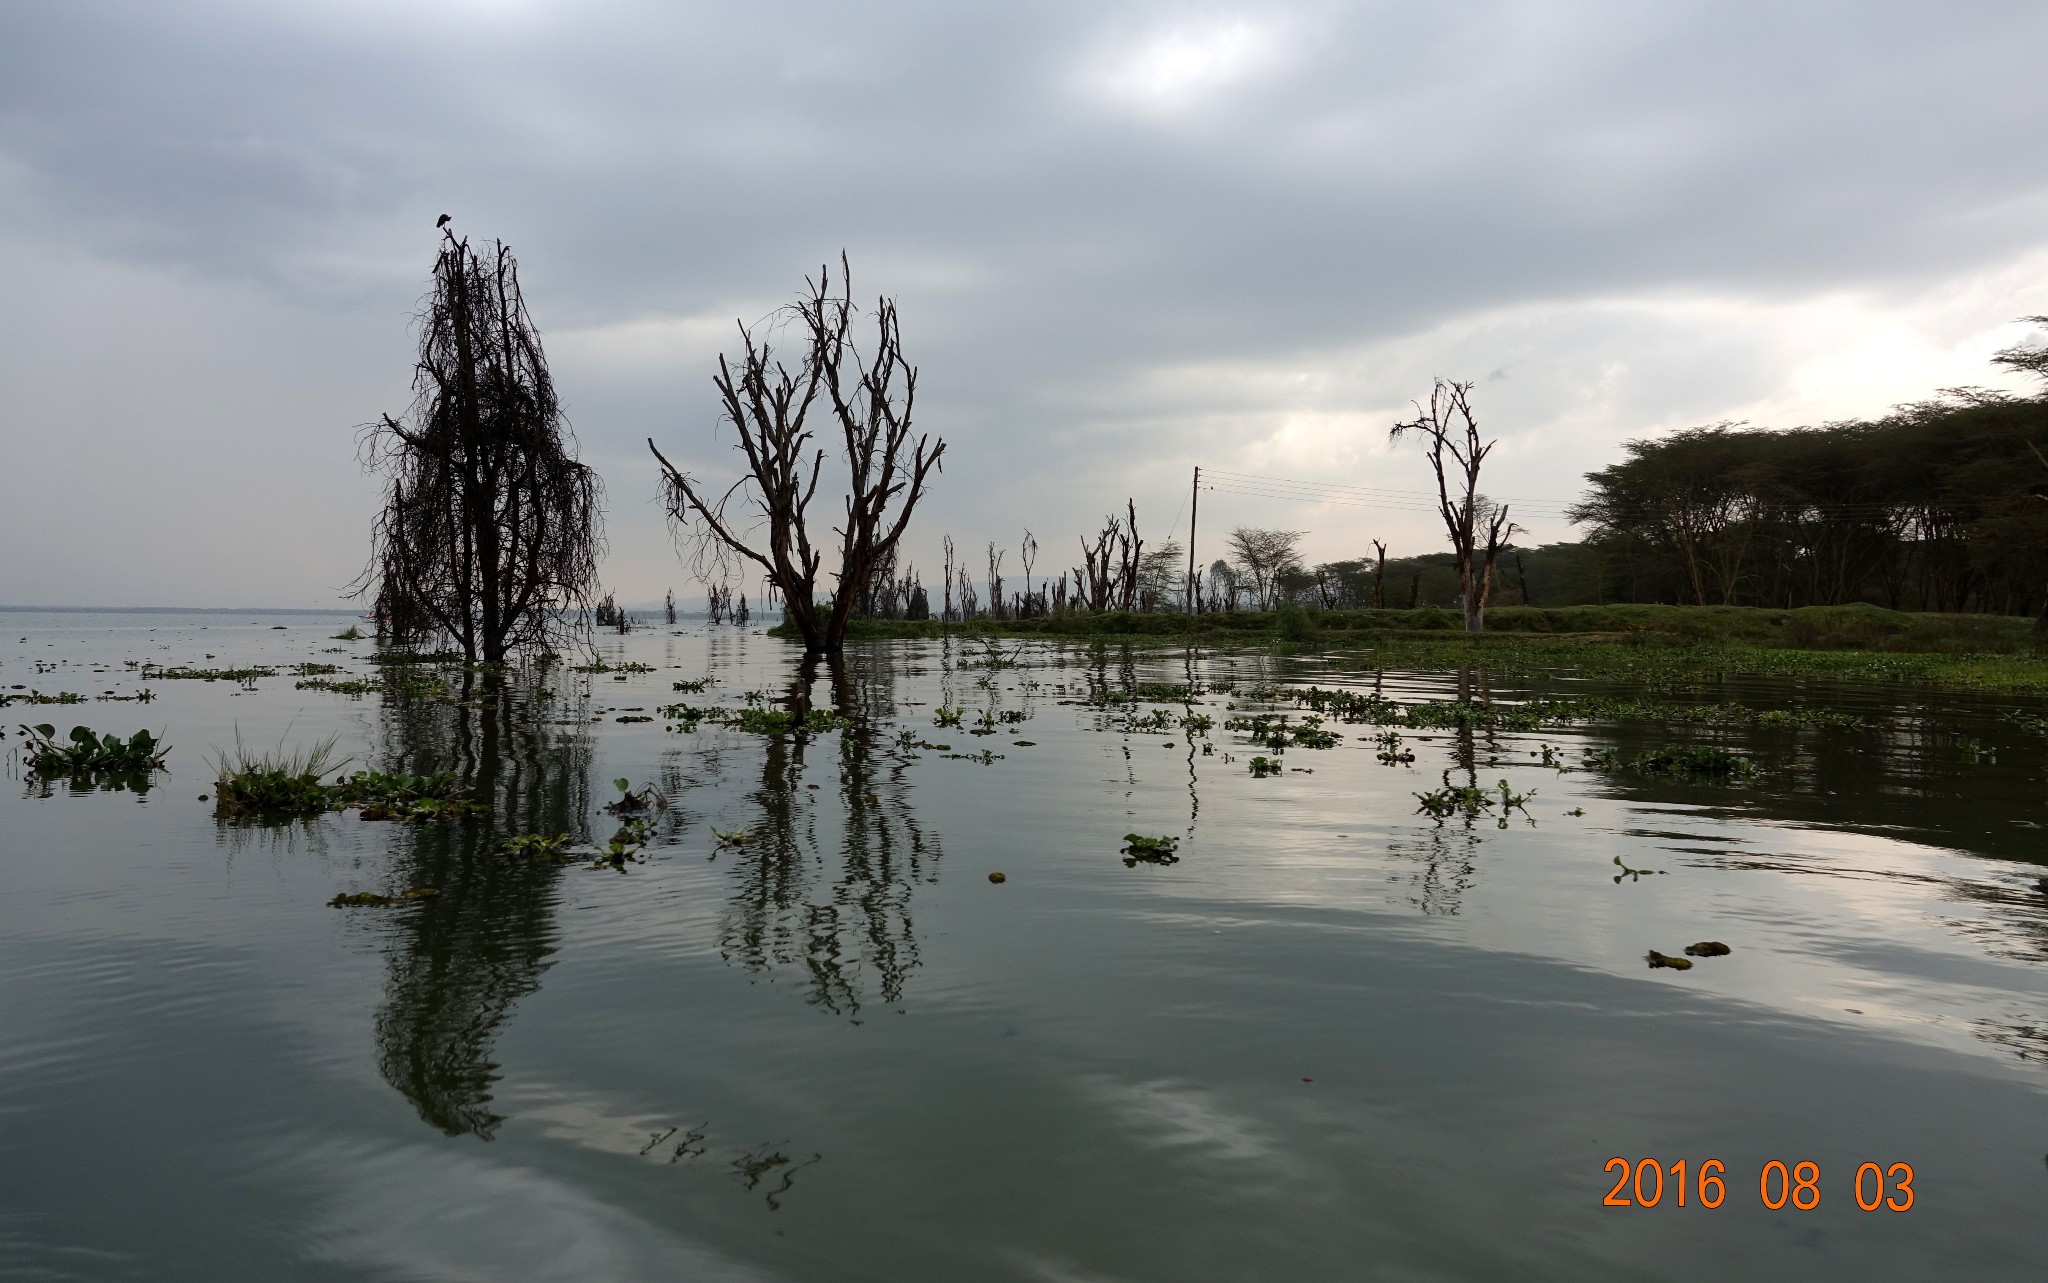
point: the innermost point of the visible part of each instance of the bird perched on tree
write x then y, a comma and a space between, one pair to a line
441, 221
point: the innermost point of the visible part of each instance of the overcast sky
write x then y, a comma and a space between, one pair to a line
1126, 239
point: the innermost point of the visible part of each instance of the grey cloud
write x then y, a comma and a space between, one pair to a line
1370, 173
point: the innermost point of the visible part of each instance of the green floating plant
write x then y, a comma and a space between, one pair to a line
1139, 848
85, 753
542, 848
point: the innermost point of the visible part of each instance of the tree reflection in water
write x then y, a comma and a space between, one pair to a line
851, 933
462, 958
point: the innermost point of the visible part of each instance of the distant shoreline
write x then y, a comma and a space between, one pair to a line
182, 610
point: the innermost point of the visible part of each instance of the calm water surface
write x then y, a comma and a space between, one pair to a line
1336, 1040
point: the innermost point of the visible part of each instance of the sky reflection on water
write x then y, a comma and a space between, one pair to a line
1336, 1039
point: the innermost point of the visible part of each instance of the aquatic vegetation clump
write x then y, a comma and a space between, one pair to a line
354, 687
630, 802
776, 721
1263, 766
599, 666
1658, 960
1276, 732
86, 754
755, 719
37, 697
1708, 949
187, 673
993, 657
2031, 723
1472, 801
384, 795
1452, 799
625, 846
1149, 850
1372, 708
1693, 760
1158, 721
351, 633
1148, 693
279, 786
695, 687
541, 848
408, 658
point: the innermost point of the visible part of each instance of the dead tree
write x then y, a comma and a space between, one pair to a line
995, 581
871, 397
946, 582
1379, 576
1108, 579
970, 600
1028, 552
489, 535
1450, 441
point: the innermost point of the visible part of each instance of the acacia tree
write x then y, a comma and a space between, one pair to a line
489, 536
1265, 555
1450, 441
2025, 358
871, 396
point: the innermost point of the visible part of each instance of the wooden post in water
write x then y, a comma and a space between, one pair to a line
1194, 503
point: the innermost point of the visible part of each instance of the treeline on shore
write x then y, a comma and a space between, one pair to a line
1939, 507
1853, 627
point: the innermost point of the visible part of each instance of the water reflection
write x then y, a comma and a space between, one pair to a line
852, 935
461, 959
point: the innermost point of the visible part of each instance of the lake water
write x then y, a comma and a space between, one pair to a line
1335, 1039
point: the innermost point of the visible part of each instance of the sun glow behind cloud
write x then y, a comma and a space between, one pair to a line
1168, 71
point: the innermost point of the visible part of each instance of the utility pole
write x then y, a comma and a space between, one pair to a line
1194, 502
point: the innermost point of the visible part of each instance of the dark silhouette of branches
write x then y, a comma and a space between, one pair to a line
1450, 441
2025, 359
489, 532
1265, 555
871, 396
1109, 577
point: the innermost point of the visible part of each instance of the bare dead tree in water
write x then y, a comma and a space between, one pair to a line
1450, 441
1379, 576
669, 607
1109, 579
970, 600
489, 535
871, 395
947, 581
995, 580
1028, 553
889, 595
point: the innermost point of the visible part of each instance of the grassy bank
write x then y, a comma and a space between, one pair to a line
1868, 642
